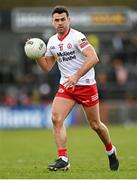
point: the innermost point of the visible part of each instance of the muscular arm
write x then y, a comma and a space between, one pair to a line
91, 60
46, 63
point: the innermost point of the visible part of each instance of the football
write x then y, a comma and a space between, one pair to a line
35, 48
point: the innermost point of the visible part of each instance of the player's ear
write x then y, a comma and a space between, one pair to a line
69, 20
52, 19
52, 22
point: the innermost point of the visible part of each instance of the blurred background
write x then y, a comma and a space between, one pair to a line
26, 93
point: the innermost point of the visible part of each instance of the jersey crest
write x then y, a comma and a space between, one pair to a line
61, 46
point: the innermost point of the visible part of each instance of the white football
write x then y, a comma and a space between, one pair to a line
35, 48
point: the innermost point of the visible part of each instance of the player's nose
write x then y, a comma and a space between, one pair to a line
60, 22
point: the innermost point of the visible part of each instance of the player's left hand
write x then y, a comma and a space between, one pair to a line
71, 81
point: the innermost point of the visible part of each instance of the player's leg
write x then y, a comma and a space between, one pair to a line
61, 107
93, 117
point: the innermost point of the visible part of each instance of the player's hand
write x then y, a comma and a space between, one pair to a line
71, 81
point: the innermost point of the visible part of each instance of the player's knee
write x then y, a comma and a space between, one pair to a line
95, 126
56, 118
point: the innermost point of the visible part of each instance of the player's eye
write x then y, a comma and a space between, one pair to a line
56, 20
63, 19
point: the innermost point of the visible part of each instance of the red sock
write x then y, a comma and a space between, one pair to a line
62, 152
109, 147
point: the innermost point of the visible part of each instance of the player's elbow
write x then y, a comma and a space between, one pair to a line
96, 60
46, 69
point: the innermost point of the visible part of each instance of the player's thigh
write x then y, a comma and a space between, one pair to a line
61, 107
92, 113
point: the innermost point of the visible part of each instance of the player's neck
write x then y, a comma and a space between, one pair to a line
62, 36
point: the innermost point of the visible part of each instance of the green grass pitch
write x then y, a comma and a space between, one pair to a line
25, 154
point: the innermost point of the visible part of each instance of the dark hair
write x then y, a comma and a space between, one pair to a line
60, 10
